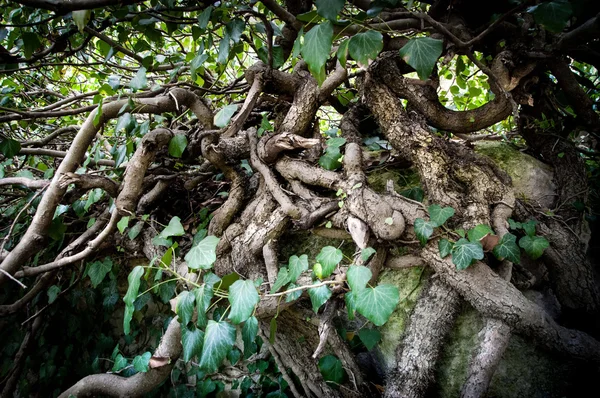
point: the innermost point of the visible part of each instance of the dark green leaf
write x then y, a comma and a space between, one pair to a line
369, 337
140, 81
422, 54
529, 227
272, 330
439, 216
423, 230
135, 230
332, 369
235, 28
31, 42
177, 145
316, 47
218, 340
52, 293
9, 147
445, 247
365, 46
318, 296
283, 278
342, 52
132, 291
481, 230
414, 193
534, 246
234, 356
98, 270
358, 277
293, 296
191, 341
350, 299
249, 333
223, 117
204, 17
297, 265
507, 249
329, 9
329, 257
464, 252
203, 295
377, 304
331, 160
185, 306
243, 298
553, 15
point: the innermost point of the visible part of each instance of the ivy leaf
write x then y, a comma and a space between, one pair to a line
196, 63
366, 253
507, 249
423, 230
350, 299
233, 356
331, 368
140, 362
422, 54
445, 247
139, 81
123, 122
98, 270
329, 9
191, 341
185, 306
481, 230
529, 227
203, 295
132, 291
203, 255
31, 42
342, 52
223, 117
329, 257
52, 293
218, 340
377, 304
534, 246
369, 337
204, 17
173, 229
358, 277
316, 47
243, 298
553, 15
283, 278
293, 296
120, 363
439, 216
122, 224
249, 333
235, 28
177, 145
514, 224
135, 230
414, 193
331, 160
365, 46
335, 142
318, 296
10, 147
464, 252
297, 265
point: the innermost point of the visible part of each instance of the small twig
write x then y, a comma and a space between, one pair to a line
302, 288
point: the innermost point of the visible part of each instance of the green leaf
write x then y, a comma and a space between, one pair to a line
422, 54
204, 17
514, 224
243, 298
203, 255
177, 145
98, 270
135, 230
438, 216
233, 356
331, 160
185, 306
529, 227
481, 230
272, 330
196, 63
52, 293
293, 296
191, 341
173, 229
122, 224
358, 277
369, 337
366, 253
329, 257
297, 265
218, 340
223, 117
507, 249
331, 368
203, 295
423, 230
123, 122
249, 333
31, 42
414, 193
140, 362
534, 246
316, 47
120, 363
350, 299
318, 296
377, 304
235, 28
365, 46
464, 252
445, 247
553, 15
329, 9
336, 142
10, 147
342, 52
283, 278
139, 81
132, 291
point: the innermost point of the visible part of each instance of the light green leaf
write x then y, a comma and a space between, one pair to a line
316, 47
123, 122
140, 362
422, 54
243, 298
203, 255
191, 341
377, 304
249, 333
507, 249
445, 247
132, 291
365, 46
140, 81
318, 296
329, 257
81, 18
481, 230
553, 15
120, 363
173, 229
369, 337
135, 230
122, 224
332, 370
196, 63
223, 117
329, 9
534, 246
185, 306
283, 278
297, 265
9, 147
423, 230
52, 293
98, 270
218, 340
464, 252
358, 277
293, 296
336, 142
439, 216
366, 253
177, 145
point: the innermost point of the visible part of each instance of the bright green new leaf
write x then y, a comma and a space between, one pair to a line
423, 230
377, 304
203, 255
464, 252
296, 266
185, 306
358, 277
316, 47
140, 362
318, 296
553, 15
534, 246
249, 333
98, 270
173, 229
329, 257
9, 147
132, 291
438, 216
52, 293
139, 81
191, 341
329, 9
422, 54
366, 253
120, 363
481, 230
365, 46
507, 249
445, 247
283, 278
122, 224
369, 337
332, 369
177, 145
243, 298
218, 340
223, 117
